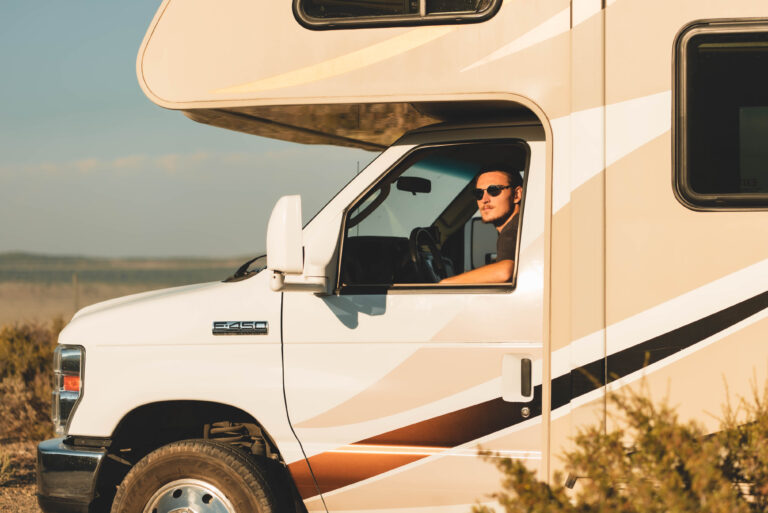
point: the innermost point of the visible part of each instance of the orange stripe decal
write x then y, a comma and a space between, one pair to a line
337, 469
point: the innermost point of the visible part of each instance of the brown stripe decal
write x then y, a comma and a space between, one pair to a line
461, 426
393, 449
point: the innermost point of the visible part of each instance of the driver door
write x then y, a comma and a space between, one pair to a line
394, 383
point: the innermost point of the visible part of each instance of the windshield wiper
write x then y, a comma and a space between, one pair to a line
243, 272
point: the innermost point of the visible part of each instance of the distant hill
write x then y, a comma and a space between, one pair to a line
37, 268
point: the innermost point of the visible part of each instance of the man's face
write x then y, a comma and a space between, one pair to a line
496, 209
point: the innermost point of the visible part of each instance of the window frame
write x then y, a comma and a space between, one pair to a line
400, 166
452, 18
703, 202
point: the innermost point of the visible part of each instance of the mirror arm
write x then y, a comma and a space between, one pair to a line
291, 282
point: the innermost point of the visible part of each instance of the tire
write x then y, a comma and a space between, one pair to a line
204, 476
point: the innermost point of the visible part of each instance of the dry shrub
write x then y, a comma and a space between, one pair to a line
26, 350
25, 416
652, 463
744, 438
6, 469
26, 360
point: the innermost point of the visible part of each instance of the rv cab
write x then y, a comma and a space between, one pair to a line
367, 357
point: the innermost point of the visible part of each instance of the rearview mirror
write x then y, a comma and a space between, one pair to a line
414, 184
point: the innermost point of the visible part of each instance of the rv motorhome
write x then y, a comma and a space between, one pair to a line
342, 375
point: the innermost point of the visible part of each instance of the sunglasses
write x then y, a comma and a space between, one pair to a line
493, 190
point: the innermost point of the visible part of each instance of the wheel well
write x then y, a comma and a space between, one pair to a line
151, 426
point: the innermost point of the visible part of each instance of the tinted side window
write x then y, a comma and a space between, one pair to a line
722, 119
350, 13
414, 225
324, 9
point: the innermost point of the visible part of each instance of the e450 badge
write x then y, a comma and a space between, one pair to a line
240, 327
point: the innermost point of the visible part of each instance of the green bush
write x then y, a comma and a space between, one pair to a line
651, 463
26, 360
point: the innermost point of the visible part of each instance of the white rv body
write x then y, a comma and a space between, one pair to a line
377, 396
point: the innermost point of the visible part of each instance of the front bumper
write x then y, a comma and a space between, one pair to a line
66, 476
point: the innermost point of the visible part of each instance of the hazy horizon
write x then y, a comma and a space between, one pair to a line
8, 253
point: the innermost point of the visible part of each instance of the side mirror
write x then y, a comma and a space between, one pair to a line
284, 241
285, 249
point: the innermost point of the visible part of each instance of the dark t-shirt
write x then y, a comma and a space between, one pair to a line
506, 244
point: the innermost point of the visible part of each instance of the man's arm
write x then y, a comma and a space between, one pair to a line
497, 272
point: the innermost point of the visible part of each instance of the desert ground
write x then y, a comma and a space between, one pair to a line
17, 478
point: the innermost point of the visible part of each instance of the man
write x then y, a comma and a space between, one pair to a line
498, 194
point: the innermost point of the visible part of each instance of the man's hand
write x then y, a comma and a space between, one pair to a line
497, 272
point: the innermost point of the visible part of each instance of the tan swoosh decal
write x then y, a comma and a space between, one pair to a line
403, 388
345, 63
556, 25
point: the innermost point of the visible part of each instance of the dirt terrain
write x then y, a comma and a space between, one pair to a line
41, 287
17, 478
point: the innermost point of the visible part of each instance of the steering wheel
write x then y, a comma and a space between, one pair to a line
419, 236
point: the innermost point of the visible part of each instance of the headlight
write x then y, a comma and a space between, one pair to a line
67, 384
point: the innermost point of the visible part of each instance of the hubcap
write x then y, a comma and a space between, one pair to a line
189, 496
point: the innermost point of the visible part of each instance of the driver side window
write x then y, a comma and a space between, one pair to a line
415, 226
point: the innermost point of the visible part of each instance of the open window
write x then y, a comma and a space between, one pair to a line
721, 124
419, 223
330, 14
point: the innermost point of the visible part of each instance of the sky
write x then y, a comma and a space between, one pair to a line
90, 166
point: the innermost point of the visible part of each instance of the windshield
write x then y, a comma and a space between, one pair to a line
361, 165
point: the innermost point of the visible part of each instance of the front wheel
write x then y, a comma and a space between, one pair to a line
196, 476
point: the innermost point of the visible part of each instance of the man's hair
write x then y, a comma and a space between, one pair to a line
513, 177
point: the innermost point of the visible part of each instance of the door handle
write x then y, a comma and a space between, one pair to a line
517, 378
525, 377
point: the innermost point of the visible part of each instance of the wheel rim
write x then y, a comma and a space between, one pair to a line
189, 496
